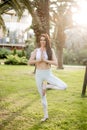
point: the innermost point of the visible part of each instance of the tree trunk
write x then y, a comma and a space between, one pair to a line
60, 58
59, 41
42, 12
85, 82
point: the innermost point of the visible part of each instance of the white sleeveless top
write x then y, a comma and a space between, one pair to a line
40, 54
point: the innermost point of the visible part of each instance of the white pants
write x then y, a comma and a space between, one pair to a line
54, 83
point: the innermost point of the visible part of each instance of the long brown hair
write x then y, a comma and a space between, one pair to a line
48, 45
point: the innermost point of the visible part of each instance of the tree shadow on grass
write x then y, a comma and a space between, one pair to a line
15, 114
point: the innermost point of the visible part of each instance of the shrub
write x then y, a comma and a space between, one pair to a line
23, 61
82, 56
14, 51
16, 60
4, 52
75, 57
20, 53
23, 53
29, 49
69, 57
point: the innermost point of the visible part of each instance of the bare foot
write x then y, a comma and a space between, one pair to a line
44, 119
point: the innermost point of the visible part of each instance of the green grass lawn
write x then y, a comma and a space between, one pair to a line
20, 103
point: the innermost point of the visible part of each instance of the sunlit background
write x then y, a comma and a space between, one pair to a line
80, 15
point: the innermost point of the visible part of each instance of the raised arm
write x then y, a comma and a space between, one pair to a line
32, 59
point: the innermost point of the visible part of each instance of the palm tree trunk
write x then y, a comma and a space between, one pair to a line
42, 12
60, 58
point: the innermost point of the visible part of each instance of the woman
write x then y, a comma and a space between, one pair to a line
43, 57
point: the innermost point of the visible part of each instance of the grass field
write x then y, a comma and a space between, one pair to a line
20, 104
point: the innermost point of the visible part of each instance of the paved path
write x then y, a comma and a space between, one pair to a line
73, 67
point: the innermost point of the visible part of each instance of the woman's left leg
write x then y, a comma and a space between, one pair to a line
55, 83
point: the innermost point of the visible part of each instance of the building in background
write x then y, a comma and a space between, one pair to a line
16, 34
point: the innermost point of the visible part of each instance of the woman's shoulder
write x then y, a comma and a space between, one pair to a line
35, 50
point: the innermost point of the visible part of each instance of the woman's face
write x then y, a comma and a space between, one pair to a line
42, 41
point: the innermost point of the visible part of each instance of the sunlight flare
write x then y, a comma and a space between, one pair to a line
80, 16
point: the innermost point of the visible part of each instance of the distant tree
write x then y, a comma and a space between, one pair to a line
61, 18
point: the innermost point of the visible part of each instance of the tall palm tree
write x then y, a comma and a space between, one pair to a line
42, 12
39, 10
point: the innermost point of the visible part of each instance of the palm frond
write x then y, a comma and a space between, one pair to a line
16, 6
29, 5
4, 7
2, 24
